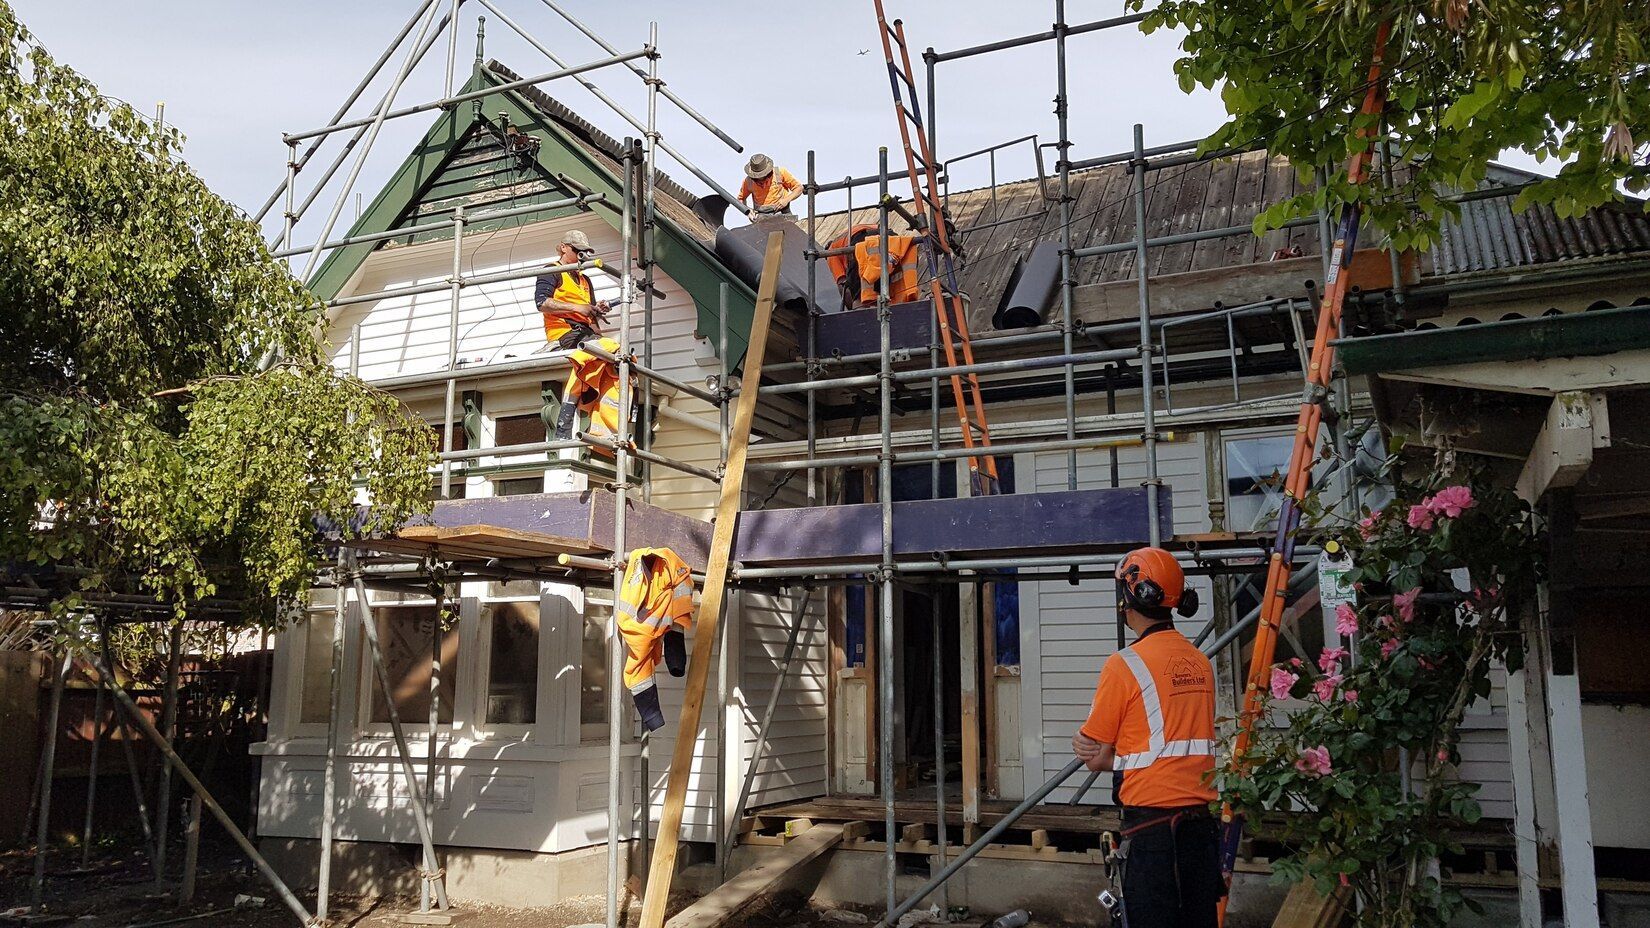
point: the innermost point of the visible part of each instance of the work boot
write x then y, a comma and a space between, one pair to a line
566, 419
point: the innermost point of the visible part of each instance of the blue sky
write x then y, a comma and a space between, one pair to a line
779, 77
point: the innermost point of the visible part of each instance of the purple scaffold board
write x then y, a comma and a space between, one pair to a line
1027, 523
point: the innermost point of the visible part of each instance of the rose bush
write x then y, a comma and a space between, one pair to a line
1443, 573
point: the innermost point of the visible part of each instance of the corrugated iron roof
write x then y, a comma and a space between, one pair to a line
1490, 236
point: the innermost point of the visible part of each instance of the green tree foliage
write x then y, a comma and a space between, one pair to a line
1564, 80
140, 442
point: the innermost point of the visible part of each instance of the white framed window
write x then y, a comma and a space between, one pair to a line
512, 639
1254, 469
406, 630
594, 641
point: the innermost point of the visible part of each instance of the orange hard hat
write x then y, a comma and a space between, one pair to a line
1150, 578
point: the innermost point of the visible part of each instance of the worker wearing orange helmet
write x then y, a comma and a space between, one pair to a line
1153, 724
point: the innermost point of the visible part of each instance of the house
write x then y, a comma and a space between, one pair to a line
522, 775
1539, 367
521, 772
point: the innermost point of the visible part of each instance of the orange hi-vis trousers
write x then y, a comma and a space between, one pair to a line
592, 388
656, 598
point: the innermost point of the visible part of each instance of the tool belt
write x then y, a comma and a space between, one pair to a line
1144, 818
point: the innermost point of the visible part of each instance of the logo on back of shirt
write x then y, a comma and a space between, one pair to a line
1185, 672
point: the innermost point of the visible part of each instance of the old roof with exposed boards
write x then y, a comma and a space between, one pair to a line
999, 225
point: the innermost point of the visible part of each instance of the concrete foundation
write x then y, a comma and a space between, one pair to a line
497, 877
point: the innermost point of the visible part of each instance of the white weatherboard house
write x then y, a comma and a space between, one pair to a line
521, 769
522, 779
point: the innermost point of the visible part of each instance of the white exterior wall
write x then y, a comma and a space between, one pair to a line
537, 787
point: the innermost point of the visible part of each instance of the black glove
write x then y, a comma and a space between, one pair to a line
675, 652
647, 706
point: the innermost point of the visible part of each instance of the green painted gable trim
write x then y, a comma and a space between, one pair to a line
1596, 332
688, 262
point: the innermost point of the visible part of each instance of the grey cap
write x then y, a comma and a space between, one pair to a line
579, 241
758, 167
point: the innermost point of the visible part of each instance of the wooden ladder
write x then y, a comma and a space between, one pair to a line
942, 279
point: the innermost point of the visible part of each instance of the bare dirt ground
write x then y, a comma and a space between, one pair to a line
118, 891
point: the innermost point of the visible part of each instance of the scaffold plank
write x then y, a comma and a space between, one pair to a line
1045, 523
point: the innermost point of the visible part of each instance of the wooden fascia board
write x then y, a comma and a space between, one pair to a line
423, 165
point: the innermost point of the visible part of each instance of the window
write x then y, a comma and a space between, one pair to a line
518, 486
315, 701
404, 636
593, 693
1255, 466
518, 430
512, 662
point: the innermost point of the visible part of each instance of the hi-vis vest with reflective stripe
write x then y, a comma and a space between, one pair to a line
657, 593
902, 268
593, 383
1158, 746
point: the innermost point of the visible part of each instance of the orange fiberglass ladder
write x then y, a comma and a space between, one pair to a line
942, 278
1298, 478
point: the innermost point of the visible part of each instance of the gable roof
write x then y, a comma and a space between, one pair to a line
460, 160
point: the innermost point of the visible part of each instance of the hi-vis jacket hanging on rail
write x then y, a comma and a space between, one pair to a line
657, 596
592, 388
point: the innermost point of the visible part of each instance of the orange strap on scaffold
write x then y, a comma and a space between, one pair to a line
1298, 477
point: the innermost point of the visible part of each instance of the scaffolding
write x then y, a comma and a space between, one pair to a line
357, 572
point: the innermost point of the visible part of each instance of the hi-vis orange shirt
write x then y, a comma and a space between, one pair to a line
770, 190
1156, 704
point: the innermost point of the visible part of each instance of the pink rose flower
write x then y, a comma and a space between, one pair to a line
1349, 695
1419, 518
1282, 682
1451, 501
1346, 620
1295, 662
1331, 659
1366, 525
1443, 755
1383, 621
1314, 762
1388, 646
1324, 687
1405, 604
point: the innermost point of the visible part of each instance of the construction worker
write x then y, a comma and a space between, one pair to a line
592, 388
769, 188
567, 299
657, 596
857, 268
1153, 723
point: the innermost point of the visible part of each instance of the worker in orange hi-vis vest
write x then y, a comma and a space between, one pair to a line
567, 299
592, 388
770, 188
657, 596
902, 269
1153, 724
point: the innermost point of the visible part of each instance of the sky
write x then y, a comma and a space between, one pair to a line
779, 77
